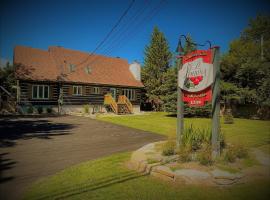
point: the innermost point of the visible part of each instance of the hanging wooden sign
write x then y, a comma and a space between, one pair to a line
196, 77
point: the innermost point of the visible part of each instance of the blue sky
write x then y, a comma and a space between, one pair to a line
82, 24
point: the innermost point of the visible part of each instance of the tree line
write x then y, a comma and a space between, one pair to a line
245, 71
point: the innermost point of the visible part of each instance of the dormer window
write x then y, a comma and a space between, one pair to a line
71, 68
87, 70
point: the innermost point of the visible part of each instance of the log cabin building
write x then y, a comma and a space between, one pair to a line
74, 79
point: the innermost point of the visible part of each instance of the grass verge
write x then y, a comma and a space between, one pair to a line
107, 178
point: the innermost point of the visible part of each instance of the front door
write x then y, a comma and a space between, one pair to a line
113, 92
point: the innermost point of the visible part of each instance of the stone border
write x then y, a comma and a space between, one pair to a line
140, 162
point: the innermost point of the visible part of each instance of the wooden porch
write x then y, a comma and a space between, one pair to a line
121, 107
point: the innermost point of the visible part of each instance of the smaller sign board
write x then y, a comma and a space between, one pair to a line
197, 98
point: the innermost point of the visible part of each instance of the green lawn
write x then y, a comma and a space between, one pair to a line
108, 178
252, 133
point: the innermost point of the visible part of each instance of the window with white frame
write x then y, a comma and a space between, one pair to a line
40, 91
96, 90
77, 90
129, 93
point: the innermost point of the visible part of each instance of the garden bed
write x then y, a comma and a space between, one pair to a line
150, 159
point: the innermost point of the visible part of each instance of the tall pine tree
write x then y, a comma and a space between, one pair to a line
189, 45
169, 88
156, 63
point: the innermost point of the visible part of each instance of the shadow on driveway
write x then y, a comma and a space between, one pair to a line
12, 129
32, 148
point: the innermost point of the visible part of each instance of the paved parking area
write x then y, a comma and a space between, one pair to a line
32, 148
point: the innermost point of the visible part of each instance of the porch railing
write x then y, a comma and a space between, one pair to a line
122, 99
108, 100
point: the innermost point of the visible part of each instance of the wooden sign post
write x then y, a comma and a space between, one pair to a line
216, 103
180, 112
198, 82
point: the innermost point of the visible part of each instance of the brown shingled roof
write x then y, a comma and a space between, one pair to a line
40, 65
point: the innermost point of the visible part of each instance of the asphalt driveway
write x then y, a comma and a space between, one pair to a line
32, 148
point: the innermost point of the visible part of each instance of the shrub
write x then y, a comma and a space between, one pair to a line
205, 155
168, 148
49, 110
240, 151
204, 111
196, 137
222, 140
185, 153
86, 108
236, 151
229, 155
40, 110
30, 110
228, 117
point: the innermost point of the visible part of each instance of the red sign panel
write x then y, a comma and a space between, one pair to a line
196, 77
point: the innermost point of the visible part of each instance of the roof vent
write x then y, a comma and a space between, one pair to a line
87, 70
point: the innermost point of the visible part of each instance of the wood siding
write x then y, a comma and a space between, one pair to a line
26, 94
87, 97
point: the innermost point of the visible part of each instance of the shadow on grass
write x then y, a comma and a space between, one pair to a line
12, 129
83, 188
174, 115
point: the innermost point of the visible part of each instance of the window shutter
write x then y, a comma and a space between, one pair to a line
70, 90
51, 91
30, 91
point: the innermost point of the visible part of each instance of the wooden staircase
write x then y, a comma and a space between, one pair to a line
121, 107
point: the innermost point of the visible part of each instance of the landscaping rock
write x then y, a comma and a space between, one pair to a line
262, 157
191, 176
221, 174
149, 159
144, 154
161, 176
164, 170
149, 167
225, 181
142, 166
225, 178
192, 173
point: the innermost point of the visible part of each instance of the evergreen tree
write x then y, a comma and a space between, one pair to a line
156, 63
245, 70
7, 76
189, 45
170, 89
170, 80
